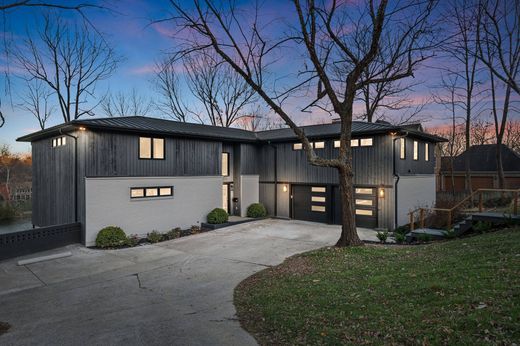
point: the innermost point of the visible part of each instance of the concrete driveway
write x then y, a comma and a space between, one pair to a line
177, 292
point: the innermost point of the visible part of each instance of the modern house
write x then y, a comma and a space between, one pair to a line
483, 169
146, 173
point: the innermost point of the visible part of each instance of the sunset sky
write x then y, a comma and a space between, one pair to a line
129, 30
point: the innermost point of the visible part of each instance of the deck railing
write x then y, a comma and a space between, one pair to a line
421, 215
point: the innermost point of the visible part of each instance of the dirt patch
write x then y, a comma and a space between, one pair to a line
4, 327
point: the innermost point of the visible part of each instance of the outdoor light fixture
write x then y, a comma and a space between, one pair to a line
284, 188
82, 128
381, 192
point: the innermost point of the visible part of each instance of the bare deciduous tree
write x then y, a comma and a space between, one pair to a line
70, 62
9, 7
171, 100
319, 34
498, 39
123, 104
36, 101
480, 132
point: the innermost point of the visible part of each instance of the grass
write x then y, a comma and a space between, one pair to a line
465, 291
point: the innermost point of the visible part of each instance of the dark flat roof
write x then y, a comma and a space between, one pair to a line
165, 127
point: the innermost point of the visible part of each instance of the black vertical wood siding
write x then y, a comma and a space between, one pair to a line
409, 166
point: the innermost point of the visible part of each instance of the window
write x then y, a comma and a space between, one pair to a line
426, 152
58, 142
150, 192
158, 148
225, 164
364, 191
365, 202
415, 150
353, 143
402, 148
318, 189
297, 146
318, 208
165, 191
319, 145
364, 212
151, 148
366, 142
318, 199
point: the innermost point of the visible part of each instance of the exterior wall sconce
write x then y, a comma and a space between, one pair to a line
81, 128
284, 188
381, 192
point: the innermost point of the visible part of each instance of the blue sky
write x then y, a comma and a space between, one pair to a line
128, 29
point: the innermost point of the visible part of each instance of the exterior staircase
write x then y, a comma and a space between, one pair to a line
473, 214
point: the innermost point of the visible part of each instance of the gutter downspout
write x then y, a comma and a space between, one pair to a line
396, 176
275, 177
75, 172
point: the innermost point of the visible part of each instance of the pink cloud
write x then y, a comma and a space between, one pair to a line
144, 69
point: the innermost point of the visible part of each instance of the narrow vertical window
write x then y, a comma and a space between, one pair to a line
402, 149
415, 150
145, 148
426, 152
225, 164
158, 148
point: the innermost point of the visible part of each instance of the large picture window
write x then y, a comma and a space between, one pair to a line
151, 148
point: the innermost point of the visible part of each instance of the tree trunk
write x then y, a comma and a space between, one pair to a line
349, 236
500, 168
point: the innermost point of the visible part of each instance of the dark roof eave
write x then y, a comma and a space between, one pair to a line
49, 132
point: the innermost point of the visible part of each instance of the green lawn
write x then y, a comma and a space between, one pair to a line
465, 291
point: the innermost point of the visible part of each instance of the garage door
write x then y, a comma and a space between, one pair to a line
365, 199
310, 203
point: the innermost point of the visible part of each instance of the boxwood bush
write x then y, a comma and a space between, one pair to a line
217, 215
111, 236
256, 210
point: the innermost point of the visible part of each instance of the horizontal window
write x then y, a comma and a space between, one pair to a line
367, 202
297, 146
318, 208
318, 199
353, 143
366, 142
150, 192
364, 191
58, 142
151, 148
318, 189
319, 145
364, 212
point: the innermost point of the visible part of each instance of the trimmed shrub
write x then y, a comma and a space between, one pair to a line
111, 236
217, 216
195, 229
482, 226
256, 210
154, 237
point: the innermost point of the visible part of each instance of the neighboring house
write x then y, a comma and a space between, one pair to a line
483, 169
147, 173
21, 191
